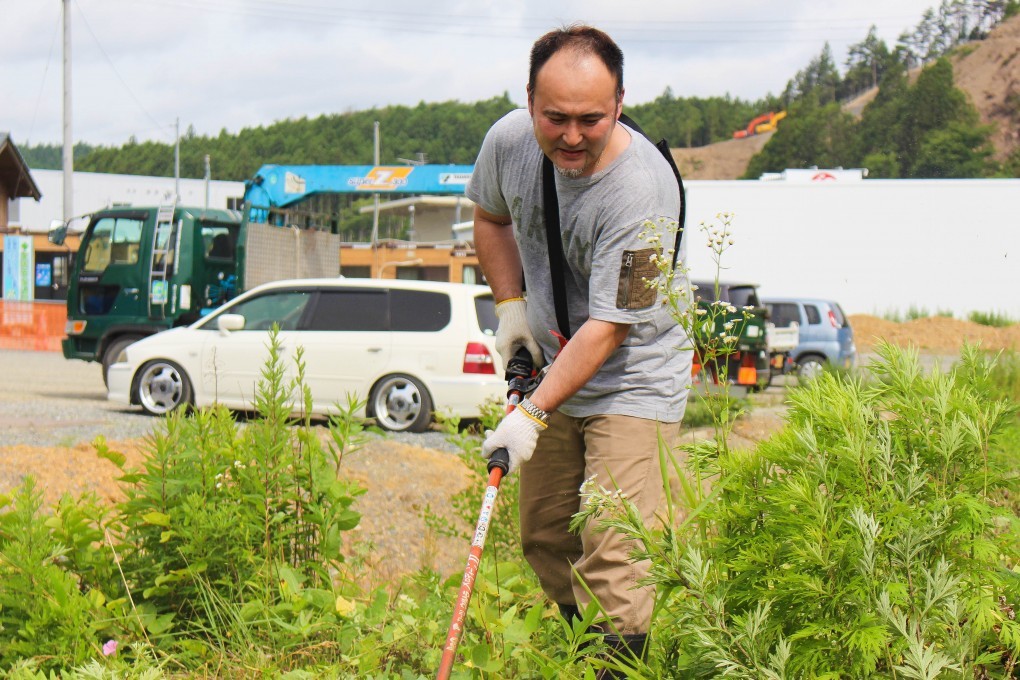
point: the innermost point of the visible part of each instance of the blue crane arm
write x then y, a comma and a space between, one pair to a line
277, 186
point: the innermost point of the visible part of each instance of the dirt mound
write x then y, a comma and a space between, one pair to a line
73, 469
937, 334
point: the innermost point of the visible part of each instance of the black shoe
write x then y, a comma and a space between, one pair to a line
626, 648
569, 612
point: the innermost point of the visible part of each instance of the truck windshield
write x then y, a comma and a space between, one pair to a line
744, 296
113, 240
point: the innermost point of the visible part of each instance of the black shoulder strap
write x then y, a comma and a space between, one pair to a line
554, 244
663, 146
554, 241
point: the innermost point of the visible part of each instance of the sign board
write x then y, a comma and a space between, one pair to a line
19, 268
43, 275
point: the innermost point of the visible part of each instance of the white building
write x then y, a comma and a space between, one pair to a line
873, 245
94, 191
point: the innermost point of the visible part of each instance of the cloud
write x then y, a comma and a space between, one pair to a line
231, 64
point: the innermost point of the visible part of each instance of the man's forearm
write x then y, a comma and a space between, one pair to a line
581, 359
498, 256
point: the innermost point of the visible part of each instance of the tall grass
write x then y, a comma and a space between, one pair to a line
993, 319
913, 313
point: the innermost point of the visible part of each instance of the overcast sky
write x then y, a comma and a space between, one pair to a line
140, 64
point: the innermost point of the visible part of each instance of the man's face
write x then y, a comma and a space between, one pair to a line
574, 110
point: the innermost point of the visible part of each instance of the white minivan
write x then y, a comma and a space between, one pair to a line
409, 348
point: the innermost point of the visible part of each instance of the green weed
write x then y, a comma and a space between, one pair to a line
993, 319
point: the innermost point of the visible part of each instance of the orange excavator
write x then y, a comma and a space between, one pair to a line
759, 124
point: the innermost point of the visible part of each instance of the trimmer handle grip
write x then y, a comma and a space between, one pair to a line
500, 458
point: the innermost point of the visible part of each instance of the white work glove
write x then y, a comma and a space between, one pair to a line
513, 332
517, 433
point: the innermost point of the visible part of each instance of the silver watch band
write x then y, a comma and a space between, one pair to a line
534, 411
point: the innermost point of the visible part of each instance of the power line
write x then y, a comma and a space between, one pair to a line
732, 30
113, 67
42, 81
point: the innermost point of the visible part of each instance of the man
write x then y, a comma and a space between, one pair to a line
621, 380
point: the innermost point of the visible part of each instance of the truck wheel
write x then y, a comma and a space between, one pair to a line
810, 367
113, 351
401, 403
162, 386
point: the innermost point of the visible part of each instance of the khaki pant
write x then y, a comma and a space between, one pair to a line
623, 452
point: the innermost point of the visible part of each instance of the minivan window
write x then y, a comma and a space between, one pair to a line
840, 316
784, 314
485, 310
419, 310
283, 307
350, 310
813, 316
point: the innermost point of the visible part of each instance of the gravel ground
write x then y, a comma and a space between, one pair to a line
47, 400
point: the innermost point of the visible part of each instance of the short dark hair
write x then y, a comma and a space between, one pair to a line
583, 39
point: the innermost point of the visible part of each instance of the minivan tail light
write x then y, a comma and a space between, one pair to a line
478, 359
832, 319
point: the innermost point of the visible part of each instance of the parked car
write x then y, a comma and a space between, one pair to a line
748, 365
825, 335
409, 347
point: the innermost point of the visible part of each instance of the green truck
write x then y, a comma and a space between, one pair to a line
731, 336
141, 270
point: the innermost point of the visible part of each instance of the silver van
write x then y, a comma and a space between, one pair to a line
826, 337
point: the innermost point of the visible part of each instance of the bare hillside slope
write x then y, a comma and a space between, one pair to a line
987, 70
722, 160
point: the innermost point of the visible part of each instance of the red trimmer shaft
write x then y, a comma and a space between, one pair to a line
519, 374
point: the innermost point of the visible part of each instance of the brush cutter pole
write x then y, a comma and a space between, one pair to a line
519, 374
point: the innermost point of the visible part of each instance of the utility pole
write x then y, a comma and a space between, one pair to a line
375, 213
208, 176
68, 149
177, 159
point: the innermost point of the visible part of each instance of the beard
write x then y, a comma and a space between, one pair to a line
569, 173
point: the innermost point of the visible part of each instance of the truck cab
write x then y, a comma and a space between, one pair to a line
731, 310
140, 270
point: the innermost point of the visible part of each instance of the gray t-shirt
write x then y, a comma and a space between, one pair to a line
601, 220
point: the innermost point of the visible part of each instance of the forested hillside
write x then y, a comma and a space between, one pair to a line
448, 132
919, 123
916, 126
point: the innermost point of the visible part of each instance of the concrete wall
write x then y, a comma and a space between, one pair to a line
873, 245
93, 191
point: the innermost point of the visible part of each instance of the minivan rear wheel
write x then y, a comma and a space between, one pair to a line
810, 367
401, 403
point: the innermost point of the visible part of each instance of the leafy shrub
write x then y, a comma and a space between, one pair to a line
867, 539
43, 613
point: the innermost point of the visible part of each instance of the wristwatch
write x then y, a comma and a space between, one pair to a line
534, 411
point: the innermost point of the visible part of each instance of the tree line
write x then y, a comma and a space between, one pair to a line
924, 129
